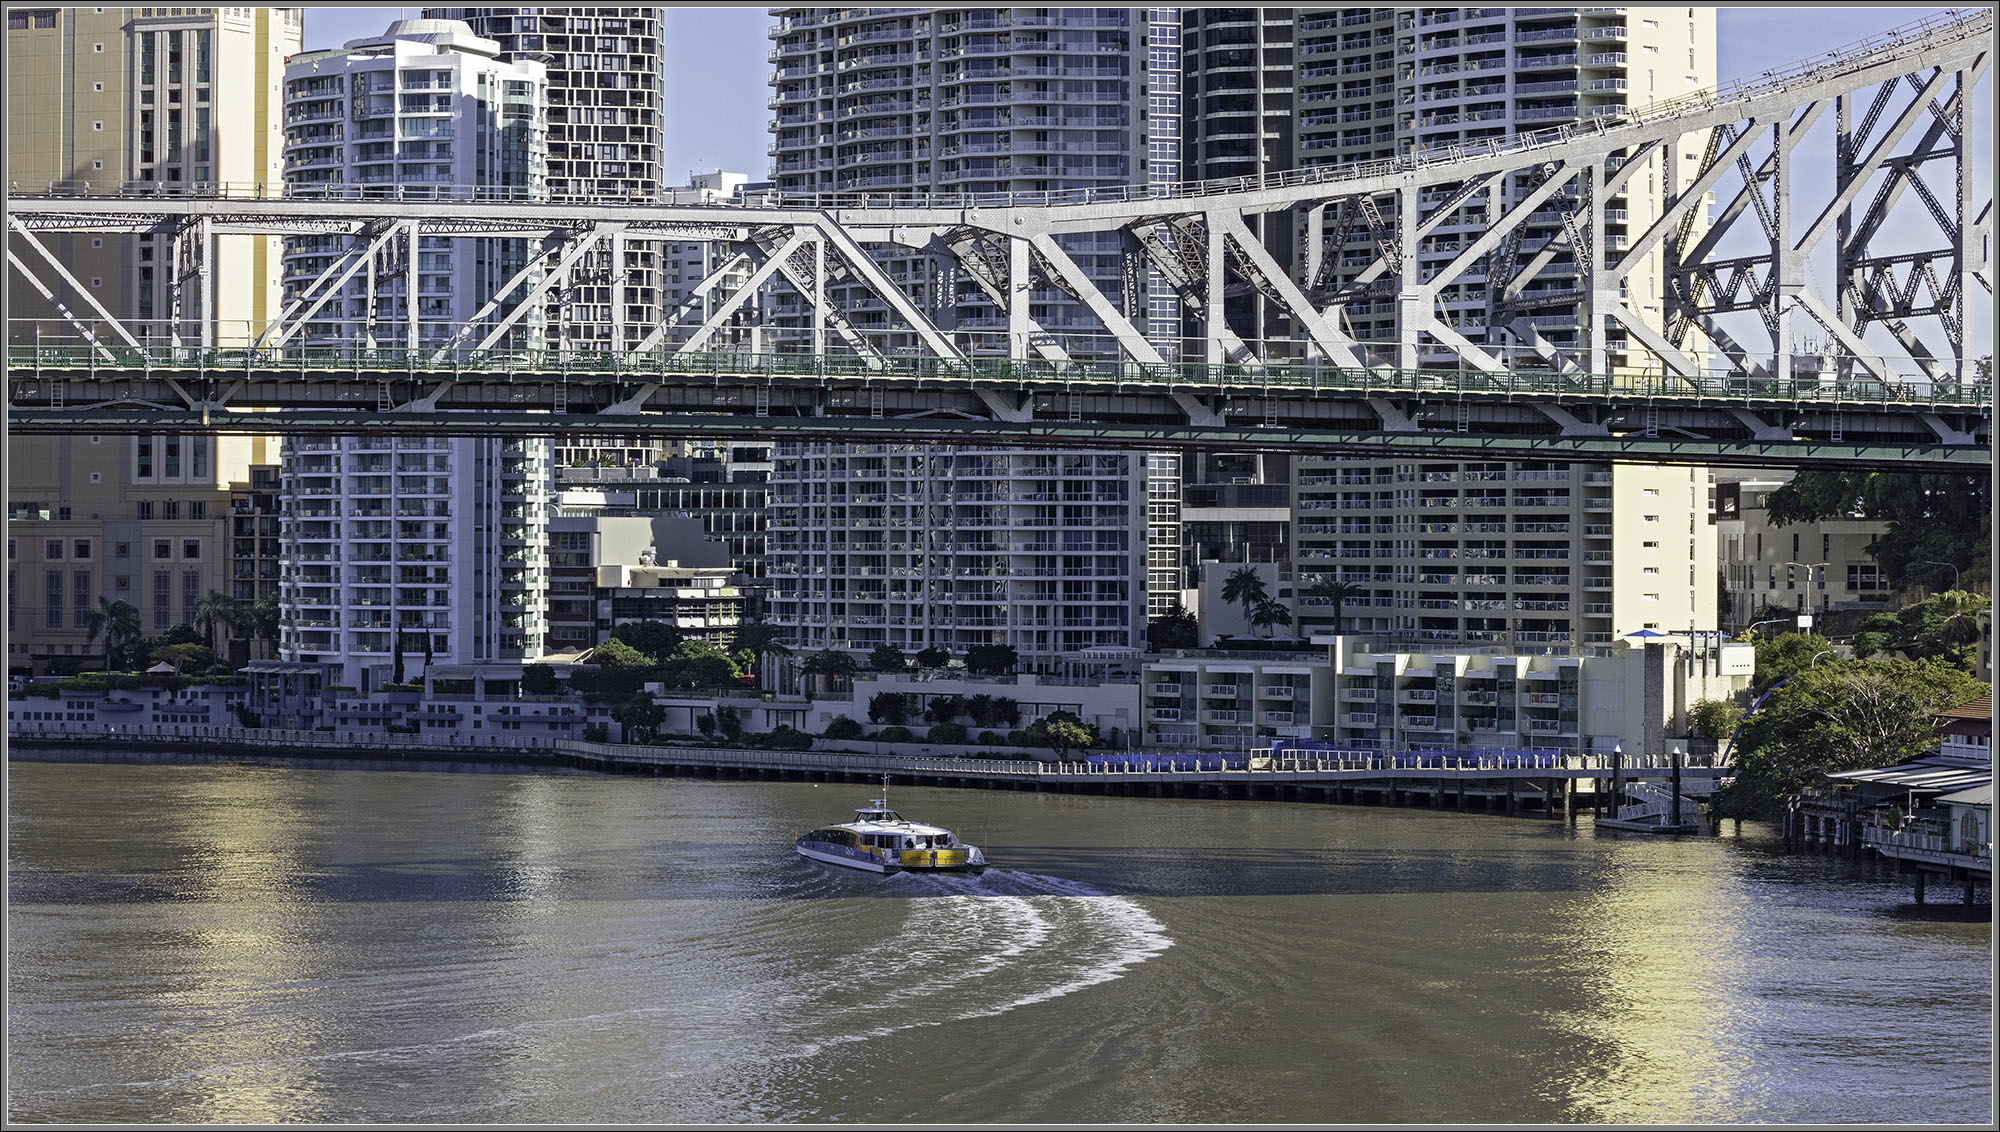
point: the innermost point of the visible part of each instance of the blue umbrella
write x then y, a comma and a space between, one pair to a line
1645, 633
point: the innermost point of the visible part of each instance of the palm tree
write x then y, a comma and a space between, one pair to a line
830, 665
218, 608
1267, 613
118, 621
1244, 586
1335, 591
261, 616
760, 640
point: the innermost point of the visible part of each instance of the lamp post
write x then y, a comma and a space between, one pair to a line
1953, 565
1806, 620
1767, 621
1817, 657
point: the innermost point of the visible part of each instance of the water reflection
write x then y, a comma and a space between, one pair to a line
220, 944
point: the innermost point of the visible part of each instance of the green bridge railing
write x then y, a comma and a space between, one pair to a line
56, 362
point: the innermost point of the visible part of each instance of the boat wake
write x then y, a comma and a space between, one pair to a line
980, 946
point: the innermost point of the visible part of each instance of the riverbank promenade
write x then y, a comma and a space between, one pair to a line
1547, 782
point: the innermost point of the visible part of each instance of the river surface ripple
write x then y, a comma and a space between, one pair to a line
263, 944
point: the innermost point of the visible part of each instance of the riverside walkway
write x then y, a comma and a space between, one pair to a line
1547, 782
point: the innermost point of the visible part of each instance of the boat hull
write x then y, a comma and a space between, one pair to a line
907, 861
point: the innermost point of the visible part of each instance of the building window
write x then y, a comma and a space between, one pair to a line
52, 549
145, 464
163, 549
81, 589
190, 595
191, 549
197, 509
163, 596
52, 607
172, 509
80, 550
173, 462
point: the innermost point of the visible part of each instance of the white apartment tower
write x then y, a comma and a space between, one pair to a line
604, 100
922, 545
428, 547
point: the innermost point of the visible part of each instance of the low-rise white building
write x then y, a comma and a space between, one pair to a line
1359, 696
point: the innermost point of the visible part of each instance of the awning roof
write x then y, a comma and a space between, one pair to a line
1977, 796
1930, 772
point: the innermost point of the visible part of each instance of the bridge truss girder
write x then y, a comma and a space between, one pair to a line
1496, 257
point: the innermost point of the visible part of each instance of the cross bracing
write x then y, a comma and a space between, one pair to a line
1840, 202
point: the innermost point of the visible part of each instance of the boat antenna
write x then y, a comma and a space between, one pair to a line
885, 791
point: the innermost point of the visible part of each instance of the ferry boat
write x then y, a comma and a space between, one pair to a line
881, 840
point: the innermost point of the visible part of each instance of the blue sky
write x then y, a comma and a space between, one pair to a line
717, 65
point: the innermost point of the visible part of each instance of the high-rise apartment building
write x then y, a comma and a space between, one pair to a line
107, 95
960, 547
1544, 553
432, 548
917, 545
606, 78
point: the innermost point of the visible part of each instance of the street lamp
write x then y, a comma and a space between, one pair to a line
1953, 565
1768, 621
1806, 622
1817, 657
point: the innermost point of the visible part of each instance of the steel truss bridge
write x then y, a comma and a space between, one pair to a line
1859, 161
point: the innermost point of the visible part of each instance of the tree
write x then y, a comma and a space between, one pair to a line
1850, 715
830, 667
944, 709
888, 658
728, 722
841, 727
991, 660
182, 656
261, 617
540, 680
760, 640
1716, 719
1338, 592
1062, 732
1246, 587
1929, 517
639, 718
1944, 626
615, 653
654, 638
218, 608
396, 675
888, 707
116, 621
1175, 629
933, 657
1267, 613
699, 663
1785, 655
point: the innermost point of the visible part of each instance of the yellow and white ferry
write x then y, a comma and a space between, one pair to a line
881, 840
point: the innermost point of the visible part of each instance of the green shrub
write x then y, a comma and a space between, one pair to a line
784, 738
841, 727
1018, 738
894, 735
991, 739
946, 733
